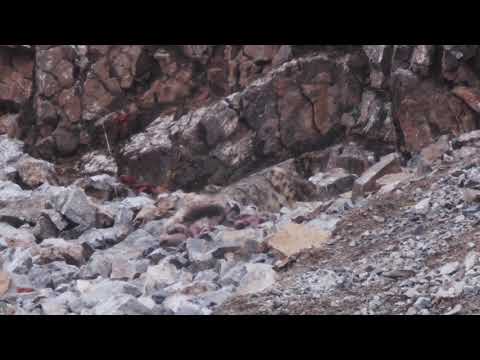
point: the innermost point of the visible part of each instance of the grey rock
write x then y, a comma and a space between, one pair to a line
156, 255
324, 280
53, 274
199, 250
104, 238
121, 261
10, 191
95, 163
217, 297
332, 183
44, 228
246, 241
123, 215
160, 276
12, 237
10, 152
137, 203
324, 222
121, 304
206, 275
451, 292
423, 206
98, 265
155, 228
258, 277
56, 218
75, 206
21, 207
449, 268
127, 269
103, 187
232, 275
17, 260
423, 303
471, 260
139, 239
59, 305
93, 293
182, 305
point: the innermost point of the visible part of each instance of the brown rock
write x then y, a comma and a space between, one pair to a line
16, 69
95, 99
367, 182
58, 249
64, 73
172, 239
34, 172
428, 111
469, 95
8, 123
14, 87
471, 195
260, 53
47, 84
66, 141
70, 103
124, 60
4, 283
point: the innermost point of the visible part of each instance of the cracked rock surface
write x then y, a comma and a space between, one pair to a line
239, 179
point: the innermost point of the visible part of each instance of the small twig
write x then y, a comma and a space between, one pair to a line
110, 152
106, 138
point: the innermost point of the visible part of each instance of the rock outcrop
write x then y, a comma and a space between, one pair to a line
184, 179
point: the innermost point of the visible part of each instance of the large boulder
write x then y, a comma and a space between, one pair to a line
293, 108
75, 206
425, 111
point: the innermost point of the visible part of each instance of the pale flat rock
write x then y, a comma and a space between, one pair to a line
4, 282
293, 238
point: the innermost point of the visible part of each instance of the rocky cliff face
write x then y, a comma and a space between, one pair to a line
152, 179
221, 111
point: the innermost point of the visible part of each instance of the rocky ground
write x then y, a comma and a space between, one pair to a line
408, 245
412, 251
253, 179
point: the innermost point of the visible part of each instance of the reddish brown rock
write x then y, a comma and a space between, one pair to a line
7, 122
66, 141
16, 73
294, 108
71, 105
426, 111
470, 96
